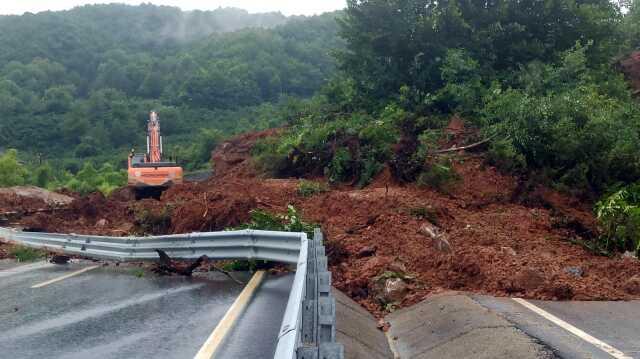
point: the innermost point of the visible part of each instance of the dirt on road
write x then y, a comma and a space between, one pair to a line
391, 245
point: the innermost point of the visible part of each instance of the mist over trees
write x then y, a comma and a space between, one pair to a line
78, 84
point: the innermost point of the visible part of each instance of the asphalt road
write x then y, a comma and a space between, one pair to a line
616, 324
111, 312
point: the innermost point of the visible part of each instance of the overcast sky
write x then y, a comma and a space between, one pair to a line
287, 7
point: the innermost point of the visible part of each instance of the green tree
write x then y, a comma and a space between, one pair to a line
12, 173
43, 175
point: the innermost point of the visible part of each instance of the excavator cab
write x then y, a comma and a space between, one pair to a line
148, 174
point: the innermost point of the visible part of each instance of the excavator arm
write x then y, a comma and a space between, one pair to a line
148, 173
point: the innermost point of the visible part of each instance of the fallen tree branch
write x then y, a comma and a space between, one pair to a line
227, 273
462, 148
167, 266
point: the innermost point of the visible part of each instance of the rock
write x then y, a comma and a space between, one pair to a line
397, 266
59, 259
575, 271
101, 223
367, 251
50, 198
384, 326
528, 279
394, 290
562, 291
629, 254
388, 290
429, 230
508, 251
442, 244
632, 285
440, 241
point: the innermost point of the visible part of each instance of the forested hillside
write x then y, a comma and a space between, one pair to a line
534, 82
76, 86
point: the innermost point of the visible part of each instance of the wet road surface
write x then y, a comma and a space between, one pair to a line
117, 313
616, 324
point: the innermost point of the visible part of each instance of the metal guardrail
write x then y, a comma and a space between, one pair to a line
308, 326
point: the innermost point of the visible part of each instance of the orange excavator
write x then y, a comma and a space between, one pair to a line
149, 175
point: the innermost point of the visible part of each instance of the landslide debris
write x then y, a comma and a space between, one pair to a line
4, 250
33, 197
490, 233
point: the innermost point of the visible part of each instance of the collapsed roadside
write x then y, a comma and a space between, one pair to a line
390, 245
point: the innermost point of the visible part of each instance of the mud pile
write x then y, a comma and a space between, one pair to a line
233, 157
30, 199
490, 234
4, 250
484, 242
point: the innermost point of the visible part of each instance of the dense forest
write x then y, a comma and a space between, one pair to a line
535, 81
76, 86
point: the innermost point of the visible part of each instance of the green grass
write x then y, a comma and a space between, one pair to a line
310, 188
240, 266
138, 272
26, 254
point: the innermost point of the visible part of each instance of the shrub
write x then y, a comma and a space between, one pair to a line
26, 254
619, 217
463, 88
153, 222
12, 173
341, 166
289, 222
43, 176
345, 148
310, 188
584, 136
89, 180
440, 176
505, 157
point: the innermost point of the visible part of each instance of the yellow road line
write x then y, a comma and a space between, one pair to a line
40, 285
573, 330
392, 345
226, 324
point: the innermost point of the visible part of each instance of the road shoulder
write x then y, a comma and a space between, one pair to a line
453, 325
357, 330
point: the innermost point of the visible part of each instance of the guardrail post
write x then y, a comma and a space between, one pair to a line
321, 304
331, 351
327, 320
310, 304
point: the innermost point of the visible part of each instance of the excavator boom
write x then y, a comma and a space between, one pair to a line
154, 140
148, 172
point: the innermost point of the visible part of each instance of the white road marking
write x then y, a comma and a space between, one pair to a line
55, 280
573, 330
209, 348
24, 268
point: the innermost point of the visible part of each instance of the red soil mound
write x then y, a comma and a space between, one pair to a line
12, 202
233, 157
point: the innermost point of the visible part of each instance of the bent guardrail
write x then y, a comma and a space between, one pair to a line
308, 325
